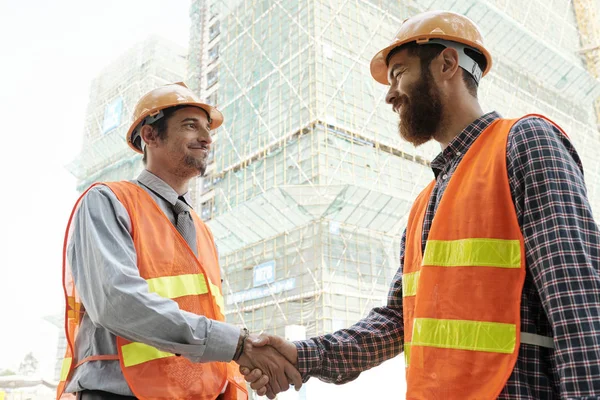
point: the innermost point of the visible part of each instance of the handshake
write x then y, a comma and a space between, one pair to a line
268, 363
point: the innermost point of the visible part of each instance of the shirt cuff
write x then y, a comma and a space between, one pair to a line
309, 358
222, 342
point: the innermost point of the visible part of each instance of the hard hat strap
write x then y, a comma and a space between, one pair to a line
464, 61
136, 138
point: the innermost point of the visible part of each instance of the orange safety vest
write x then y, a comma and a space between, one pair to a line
171, 270
462, 297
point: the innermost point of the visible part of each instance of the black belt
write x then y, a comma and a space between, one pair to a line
100, 395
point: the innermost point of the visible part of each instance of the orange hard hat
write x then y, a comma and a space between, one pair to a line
148, 109
432, 27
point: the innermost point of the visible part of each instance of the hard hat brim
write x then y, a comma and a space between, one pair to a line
215, 115
379, 67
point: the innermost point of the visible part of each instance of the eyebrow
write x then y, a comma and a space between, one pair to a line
196, 120
394, 68
190, 120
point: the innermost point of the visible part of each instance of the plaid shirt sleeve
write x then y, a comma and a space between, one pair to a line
562, 245
341, 356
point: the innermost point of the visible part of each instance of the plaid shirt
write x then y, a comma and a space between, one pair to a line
561, 295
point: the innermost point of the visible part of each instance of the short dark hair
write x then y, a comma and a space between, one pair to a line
427, 53
161, 124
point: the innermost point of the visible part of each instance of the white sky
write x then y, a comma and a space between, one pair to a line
49, 53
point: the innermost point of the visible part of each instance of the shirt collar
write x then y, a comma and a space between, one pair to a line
463, 141
161, 188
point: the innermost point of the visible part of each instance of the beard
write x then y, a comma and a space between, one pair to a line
197, 164
421, 113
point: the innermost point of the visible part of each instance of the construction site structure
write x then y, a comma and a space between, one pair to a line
310, 185
58, 320
586, 14
114, 93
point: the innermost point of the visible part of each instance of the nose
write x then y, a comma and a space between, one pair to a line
206, 136
391, 96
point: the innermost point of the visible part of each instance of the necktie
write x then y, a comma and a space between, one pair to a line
185, 224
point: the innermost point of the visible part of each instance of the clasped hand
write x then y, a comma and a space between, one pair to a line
268, 364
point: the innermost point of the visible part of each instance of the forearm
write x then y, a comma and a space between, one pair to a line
159, 322
340, 357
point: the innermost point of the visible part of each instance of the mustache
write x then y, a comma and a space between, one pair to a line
203, 146
401, 101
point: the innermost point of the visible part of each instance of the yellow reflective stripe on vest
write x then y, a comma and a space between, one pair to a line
410, 282
172, 287
73, 309
216, 292
407, 347
66, 366
138, 353
464, 335
473, 253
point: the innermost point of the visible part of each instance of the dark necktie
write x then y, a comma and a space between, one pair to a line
185, 223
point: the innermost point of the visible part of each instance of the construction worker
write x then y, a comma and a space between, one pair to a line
498, 291
145, 310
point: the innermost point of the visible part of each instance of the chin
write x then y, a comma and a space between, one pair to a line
415, 140
194, 167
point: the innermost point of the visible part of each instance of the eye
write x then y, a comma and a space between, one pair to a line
190, 125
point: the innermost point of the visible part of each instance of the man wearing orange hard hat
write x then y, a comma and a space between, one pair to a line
498, 291
145, 310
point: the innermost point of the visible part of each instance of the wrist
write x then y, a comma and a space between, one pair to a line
240, 346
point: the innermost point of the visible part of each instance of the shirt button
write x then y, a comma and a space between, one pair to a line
458, 153
339, 378
445, 176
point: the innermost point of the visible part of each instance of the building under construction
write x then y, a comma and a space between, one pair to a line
105, 155
310, 185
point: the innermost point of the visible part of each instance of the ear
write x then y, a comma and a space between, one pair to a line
149, 136
449, 63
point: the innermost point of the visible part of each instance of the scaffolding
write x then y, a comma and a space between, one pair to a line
105, 156
589, 29
310, 184
351, 267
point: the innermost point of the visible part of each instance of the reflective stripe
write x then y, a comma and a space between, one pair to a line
465, 335
537, 340
407, 347
473, 253
138, 353
410, 282
73, 309
172, 287
66, 366
216, 292
71, 303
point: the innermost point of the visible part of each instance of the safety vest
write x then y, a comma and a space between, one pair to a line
171, 270
462, 297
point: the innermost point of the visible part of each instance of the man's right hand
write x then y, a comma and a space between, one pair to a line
259, 360
255, 377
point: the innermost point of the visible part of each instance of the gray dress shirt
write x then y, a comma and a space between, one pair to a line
117, 301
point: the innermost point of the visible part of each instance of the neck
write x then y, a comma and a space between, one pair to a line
459, 114
178, 183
